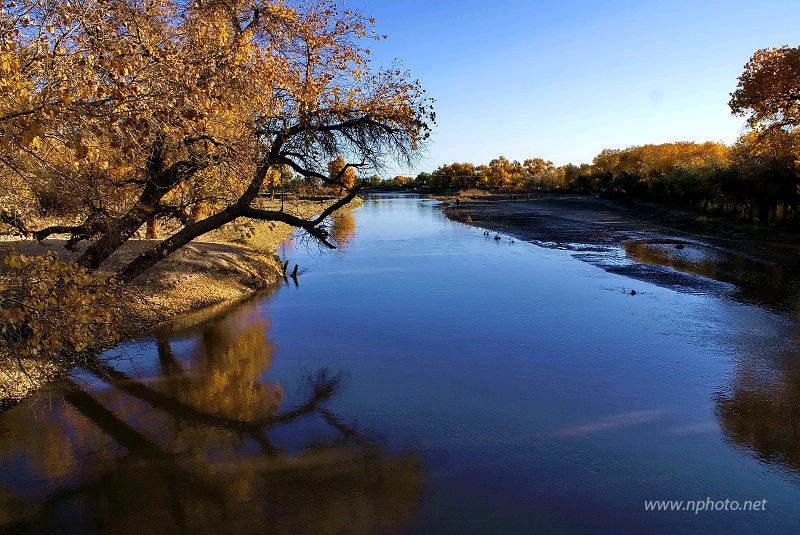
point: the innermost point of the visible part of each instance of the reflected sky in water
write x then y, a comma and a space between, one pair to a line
462, 384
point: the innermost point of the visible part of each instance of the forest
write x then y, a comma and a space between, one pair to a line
756, 179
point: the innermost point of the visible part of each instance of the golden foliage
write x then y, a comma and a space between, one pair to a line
48, 305
339, 173
769, 88
499, 174
177, 109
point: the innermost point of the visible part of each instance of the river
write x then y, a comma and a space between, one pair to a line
425, 378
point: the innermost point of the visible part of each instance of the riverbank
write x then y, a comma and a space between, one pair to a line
647, 242
588, 219
227, 265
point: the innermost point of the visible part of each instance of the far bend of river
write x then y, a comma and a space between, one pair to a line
425, 379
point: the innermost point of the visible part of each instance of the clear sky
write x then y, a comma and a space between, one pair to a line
565, 80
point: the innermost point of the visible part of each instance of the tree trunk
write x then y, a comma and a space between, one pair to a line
763, 213
152, 229
111, 240
160, 183
149, 258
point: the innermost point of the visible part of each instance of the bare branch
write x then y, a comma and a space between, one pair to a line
312, 227
16, 222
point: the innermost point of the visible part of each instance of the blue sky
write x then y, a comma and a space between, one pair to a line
564, 80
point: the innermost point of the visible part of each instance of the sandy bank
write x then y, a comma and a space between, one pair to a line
208, 272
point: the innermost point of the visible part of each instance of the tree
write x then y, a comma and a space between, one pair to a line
403, 180
455, 175
277, 176
769, 95
497, 174
538, 167
539, 172
766, 164
179, 109
341, 173
769, 89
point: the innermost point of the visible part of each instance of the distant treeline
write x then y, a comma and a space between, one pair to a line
756, 179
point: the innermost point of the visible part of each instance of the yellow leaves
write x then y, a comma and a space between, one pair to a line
9, 64
273, 177
768, 87
339, 175
49, 305
137, 71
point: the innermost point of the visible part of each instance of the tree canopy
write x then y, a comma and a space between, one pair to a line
769, 89
134, 110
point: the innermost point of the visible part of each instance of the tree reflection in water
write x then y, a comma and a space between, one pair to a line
756, 282
343, 228
191, 452
761, 411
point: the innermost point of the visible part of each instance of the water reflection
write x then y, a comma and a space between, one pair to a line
541, 401
190, 450
755, 282
343, 228
760, 412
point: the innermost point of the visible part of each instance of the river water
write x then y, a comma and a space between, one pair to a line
425, 378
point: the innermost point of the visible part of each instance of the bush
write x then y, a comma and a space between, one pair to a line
49, 306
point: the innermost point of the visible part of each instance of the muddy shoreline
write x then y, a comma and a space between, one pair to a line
663, 246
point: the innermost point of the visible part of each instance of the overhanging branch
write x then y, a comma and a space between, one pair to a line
312, 227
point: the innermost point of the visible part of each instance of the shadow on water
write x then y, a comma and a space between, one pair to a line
755, 282
190, 449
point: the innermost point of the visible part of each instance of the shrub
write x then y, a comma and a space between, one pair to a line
49, 306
